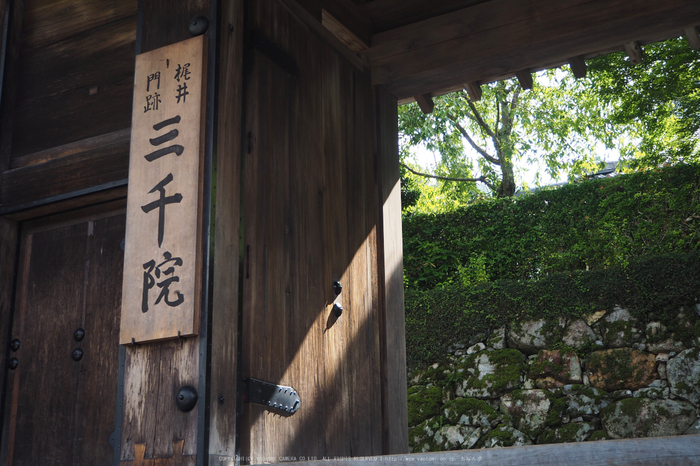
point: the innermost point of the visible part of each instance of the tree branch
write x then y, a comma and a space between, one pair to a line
466, 136
446, 178
480, 120
514, 102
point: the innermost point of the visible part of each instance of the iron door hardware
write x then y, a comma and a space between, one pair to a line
279, 398
186, 398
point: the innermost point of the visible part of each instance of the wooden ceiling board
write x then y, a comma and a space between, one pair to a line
390, 14
500, 37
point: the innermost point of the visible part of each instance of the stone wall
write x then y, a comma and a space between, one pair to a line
610, 375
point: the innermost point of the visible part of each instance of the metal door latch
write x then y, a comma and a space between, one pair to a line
276, 397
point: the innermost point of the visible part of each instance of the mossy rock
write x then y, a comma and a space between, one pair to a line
470, 412
621, 369
423, 403
582, 400
529, 409
437, 374
642, 417
458, 437
504, 436
684, 375
421, 437
573, 432
563, 366
490, 374
598, 435
556, 412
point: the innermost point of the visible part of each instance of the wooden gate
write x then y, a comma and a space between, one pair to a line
309, 212
62, 393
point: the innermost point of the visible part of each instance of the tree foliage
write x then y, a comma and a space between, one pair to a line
483, 141
649, 114
662, 94
590, 225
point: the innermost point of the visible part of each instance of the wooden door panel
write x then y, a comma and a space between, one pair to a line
309, 216
62, 409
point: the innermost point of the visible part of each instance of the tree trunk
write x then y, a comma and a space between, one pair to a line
507, 187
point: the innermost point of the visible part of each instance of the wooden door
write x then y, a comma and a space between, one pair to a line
62, 394
309, 212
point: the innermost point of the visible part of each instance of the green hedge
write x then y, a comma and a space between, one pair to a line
653, 288
585, 226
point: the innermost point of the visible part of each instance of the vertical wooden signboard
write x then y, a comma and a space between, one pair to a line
162, 261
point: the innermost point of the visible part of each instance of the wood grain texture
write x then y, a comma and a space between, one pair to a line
166, 22
310, 219
51, 22
693, 37
166, 235
227, 260
385, 15
67, 282
394, 394
348, 12
499, 37
9, 90
425, 102
177, 459
9, 244
634, 52
64, 175
76, 147
153, 375
74, 89
154, 372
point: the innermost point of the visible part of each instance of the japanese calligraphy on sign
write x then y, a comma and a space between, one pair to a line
162, 258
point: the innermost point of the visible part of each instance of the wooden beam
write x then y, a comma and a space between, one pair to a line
634, 52
578, 66
693, 37
474, 91
524, 78
63, 175
342, 33
500, 37
425, 102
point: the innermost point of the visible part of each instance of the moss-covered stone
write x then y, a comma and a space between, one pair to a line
642, 417
470, 412
490, 374
437, 374
585, 401
683, 374
421, 437
530, 336
620, 369
528, 409
556, 412
618, 329
458, 437
598, 435
562, 366
504, 436
423, 403
573, 432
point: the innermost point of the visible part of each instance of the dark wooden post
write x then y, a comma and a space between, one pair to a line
225, 301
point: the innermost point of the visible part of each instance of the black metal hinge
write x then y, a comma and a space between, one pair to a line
276, 397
